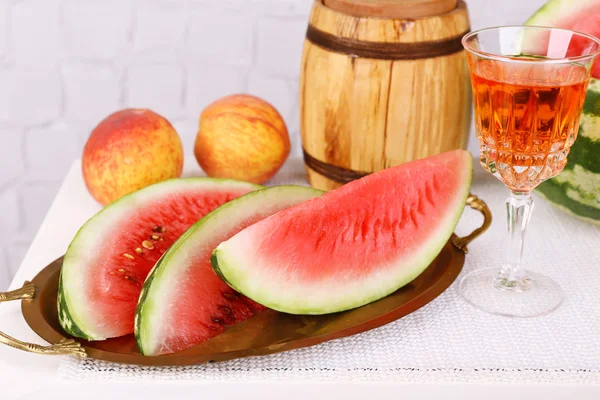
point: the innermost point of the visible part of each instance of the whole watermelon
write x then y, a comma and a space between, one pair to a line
577, 188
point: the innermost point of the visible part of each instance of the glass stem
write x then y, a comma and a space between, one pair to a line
513, 277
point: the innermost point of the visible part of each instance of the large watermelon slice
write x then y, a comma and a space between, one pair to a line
111, 255
577, 188
355, 244
183, 302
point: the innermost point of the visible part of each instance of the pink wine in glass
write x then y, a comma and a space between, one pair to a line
526, 120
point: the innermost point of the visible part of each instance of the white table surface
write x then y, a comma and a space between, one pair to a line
30, 376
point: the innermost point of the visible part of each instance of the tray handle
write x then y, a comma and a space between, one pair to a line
62, 348
477, 204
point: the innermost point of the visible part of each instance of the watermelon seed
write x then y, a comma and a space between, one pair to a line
230, 296
139, 250
147, 245
217, 321
227, 311
127, 255
121, 270
155, 237
158, 229
130, 278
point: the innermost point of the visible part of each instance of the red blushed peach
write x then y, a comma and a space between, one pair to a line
129, 150
241, 137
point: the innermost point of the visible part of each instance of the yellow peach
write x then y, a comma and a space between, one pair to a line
129, 150
241, 137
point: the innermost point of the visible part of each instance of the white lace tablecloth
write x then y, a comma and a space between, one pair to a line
448, 340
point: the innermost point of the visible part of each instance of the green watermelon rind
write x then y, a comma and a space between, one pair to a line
145, 307
556, 194
142, 301
584, 156
70, 310
222, 265
66, 320
554, 10
585, 153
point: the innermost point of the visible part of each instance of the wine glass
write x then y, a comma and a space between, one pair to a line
529, 85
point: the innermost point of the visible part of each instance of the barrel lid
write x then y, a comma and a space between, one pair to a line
392, 8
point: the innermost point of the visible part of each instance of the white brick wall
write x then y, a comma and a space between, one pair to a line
65, 64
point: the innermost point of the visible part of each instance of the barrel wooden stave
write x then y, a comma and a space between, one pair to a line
366, 114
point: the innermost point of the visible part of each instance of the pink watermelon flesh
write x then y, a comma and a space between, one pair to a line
103, 273
183, 302
577, 15
353, 245
590, 25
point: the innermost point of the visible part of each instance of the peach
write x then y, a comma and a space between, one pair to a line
241, 137
129, 150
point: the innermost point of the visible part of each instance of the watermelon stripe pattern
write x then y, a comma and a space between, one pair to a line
65, 318
577, 188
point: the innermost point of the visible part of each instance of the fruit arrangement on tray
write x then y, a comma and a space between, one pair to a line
170, 263
185, 258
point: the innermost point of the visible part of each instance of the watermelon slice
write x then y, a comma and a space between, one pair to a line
111, 255
577, 15
577, 188
183, 302
355, 244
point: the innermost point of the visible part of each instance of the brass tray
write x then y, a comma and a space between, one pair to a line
267, 333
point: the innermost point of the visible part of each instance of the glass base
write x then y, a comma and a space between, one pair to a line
532, 296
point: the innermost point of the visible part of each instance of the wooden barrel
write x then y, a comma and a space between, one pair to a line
383, 82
